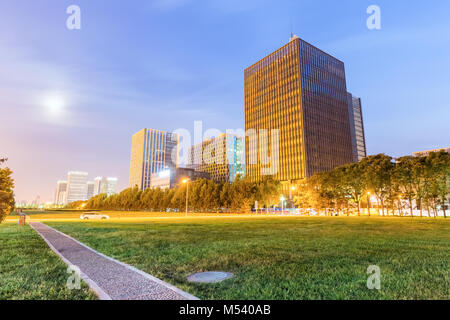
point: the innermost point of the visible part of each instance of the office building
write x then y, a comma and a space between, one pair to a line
90, 189
356, 128
300, 91
77, 186
60, 194
168, 179
221, 157
108, 186
152, 151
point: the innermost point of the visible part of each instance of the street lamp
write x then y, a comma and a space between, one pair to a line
368, 203
186, 181
282, 202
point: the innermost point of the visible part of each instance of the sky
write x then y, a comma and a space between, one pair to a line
72, 99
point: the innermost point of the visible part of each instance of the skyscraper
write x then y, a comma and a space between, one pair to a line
77, 187
301, 91
152, 151
60, 194
356, 128
108, 186
90, 189
221, 157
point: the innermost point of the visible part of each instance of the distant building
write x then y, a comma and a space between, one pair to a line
427, 152
168, 179
152, 151
90, 189
301, 91
97, 185
356, 128
60, 194
221, 157
108, 186
77, 187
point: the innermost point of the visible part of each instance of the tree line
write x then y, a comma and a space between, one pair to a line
416, 182
203, 196
411, 182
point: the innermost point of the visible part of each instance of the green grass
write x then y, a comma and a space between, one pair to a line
29, 270
284, 258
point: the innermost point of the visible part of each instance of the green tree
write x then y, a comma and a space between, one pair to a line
378, 175
7, 202
404, 178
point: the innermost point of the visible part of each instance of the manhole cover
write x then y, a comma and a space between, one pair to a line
209, 277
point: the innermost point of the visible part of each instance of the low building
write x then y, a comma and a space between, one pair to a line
427, 152
168, 178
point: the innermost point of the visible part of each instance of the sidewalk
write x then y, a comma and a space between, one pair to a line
109, 278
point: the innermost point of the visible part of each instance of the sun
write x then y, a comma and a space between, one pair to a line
54, 104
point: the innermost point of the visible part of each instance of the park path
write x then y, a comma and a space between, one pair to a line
110, 279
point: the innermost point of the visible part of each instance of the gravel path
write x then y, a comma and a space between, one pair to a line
109, 278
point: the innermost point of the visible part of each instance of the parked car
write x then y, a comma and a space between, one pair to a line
93, 216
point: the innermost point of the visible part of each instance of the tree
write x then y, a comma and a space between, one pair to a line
404, 178
439, 164
355, 182
378, 175
7, 202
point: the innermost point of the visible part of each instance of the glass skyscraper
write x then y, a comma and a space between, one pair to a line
356, 128
221, 157
152, 151
301, 91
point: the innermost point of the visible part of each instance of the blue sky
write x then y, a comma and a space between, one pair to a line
164, 64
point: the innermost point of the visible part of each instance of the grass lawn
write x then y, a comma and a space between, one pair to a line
283, 258
30, 270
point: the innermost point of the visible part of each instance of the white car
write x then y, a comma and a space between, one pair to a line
93, 216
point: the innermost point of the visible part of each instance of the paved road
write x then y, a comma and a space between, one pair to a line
109, 278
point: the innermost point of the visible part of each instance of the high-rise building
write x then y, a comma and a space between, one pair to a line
152, 151
90, 189
60, 194
97, 185
77, 187
105, 185
356, 128
108, 186
301, 91
221, 157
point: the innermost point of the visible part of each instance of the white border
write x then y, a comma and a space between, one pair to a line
96, 288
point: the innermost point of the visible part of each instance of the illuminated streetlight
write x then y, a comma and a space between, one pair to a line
186, 181
282, 203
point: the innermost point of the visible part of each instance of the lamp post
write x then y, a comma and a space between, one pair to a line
186, 181
368, 203
282, 200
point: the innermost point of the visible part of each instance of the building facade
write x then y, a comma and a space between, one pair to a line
76, 186
60, 194
90, 189
300, 91
168, 179
152, 151
221, 157
356, 128
427, 152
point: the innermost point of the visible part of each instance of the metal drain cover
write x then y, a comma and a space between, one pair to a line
209, 277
